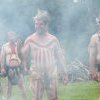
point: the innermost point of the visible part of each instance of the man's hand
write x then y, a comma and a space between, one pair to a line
26, 71
94, 75
64, 77
3, 71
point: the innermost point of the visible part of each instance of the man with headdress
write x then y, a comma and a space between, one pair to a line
45, 54
10, 65
94, 54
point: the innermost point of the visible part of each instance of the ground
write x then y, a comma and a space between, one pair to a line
72, 91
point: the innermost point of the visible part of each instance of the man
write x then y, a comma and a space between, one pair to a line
10, 64
94, 54
45, 54
0, 58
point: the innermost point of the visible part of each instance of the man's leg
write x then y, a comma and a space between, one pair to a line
22, 87
9, 90
37, 89
52, 90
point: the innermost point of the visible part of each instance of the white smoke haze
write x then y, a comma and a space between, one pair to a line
72, 22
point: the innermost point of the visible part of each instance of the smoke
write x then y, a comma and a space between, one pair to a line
78, 23
73, 23
16, 15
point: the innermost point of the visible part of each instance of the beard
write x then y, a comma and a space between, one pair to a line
12, 40
41, 31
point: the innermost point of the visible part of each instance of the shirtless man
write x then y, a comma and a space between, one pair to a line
0, 58
10, 64
94, 54
45, 54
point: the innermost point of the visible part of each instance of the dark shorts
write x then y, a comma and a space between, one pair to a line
13, 74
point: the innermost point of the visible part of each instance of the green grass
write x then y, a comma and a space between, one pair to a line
73, 91
79, 91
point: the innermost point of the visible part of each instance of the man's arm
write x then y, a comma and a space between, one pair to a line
3, 60
60, 57
26, 52
92, 56
61, 62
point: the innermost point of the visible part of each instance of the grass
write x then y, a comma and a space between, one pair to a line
73, 91
79, 91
